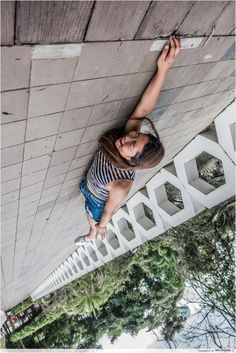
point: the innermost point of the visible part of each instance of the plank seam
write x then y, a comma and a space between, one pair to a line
117, 40
151, 2
15, 15
176, 32
214, 23
88, 23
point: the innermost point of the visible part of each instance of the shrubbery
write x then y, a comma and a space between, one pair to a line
22, 306
141, 288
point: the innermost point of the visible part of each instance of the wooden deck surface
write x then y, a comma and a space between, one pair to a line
31, 22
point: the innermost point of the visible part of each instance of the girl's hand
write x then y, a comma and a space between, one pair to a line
101, 232
168, 55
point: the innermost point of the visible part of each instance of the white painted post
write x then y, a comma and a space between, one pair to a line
149, 228
69, 268
225, 129
93, 255
114, 241
126, 228
187, 170
71, 261
84, 259
65, 272
102, 250
170, 212
81, 268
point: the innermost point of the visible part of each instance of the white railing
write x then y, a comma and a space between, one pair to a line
132, 225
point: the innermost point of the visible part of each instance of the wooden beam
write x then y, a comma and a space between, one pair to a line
7, 22
116, 20
52, 21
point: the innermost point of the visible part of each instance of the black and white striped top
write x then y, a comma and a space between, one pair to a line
102, 172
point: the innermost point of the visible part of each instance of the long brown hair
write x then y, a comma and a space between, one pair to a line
151, 155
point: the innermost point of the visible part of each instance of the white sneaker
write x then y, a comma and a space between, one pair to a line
81, 240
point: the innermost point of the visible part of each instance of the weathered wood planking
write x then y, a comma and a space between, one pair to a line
201, 17
116, 20
163, 18
226, 22
66, 21
52, 21
7, 22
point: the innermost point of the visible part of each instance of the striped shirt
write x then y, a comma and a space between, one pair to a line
102, 172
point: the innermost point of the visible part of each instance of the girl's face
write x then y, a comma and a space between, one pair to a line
131, 144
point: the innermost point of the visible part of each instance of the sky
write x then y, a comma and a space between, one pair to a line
142, 340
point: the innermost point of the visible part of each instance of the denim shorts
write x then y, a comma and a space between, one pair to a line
93, 205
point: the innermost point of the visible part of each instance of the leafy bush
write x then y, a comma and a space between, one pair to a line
31, 328
22, 306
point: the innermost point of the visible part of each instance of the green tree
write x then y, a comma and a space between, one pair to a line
141, 288
22, 306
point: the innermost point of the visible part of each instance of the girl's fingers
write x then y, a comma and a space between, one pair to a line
165, 50
172, 49
177, 44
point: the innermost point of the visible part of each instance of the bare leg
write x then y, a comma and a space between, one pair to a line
92, 231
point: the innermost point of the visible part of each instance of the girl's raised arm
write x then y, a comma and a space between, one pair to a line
152, 92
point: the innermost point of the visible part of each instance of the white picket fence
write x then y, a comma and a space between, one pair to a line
131, 226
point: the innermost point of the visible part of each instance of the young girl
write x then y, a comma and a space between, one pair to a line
122, 151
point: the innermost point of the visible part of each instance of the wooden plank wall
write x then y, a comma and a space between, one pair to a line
116, 20
52, 21
163, 18
31, 22
226, 22
7, 22
202, 16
